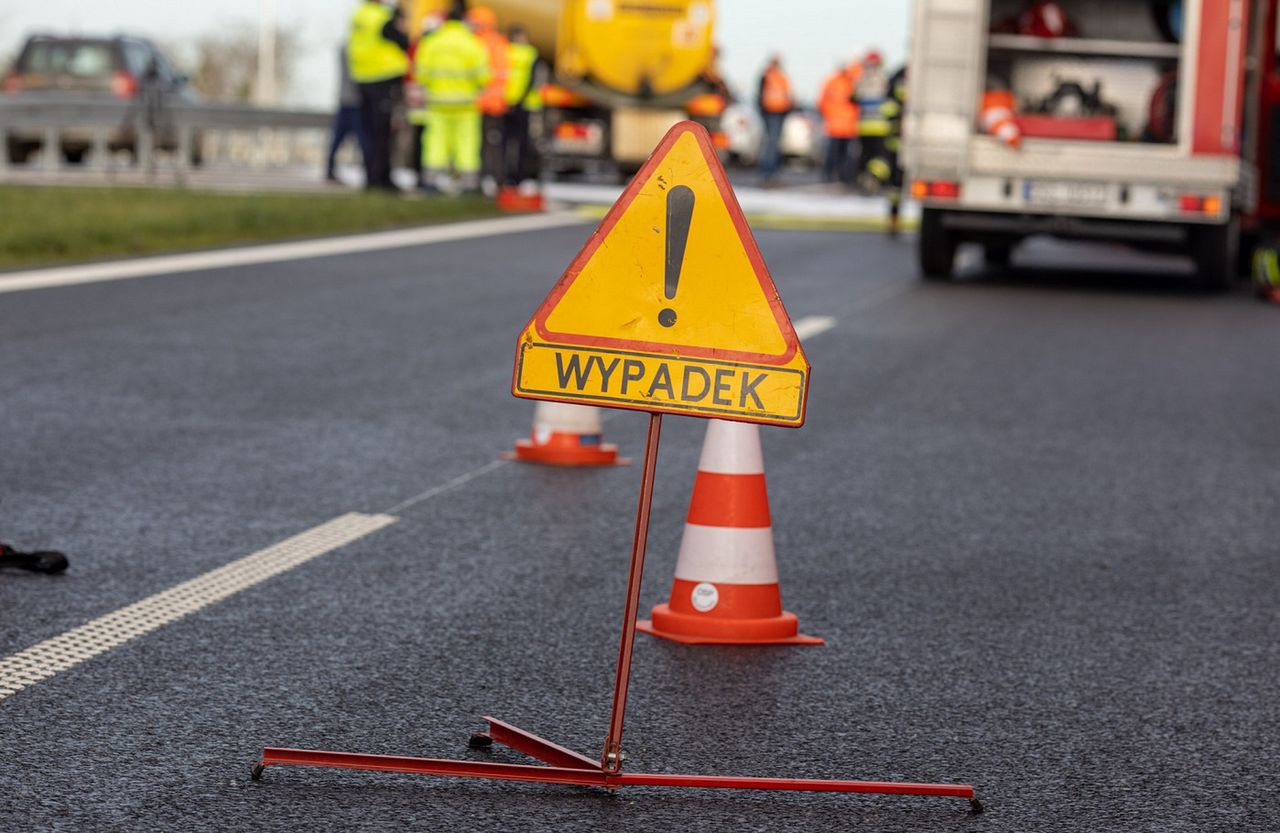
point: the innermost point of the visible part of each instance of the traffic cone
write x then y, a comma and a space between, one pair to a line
516, 200
566, 435
726, 586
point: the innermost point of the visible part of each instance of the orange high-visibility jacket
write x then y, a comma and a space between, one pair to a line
775, 91
839, 112
493, 98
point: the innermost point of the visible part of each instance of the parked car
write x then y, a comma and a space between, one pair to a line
744, 133
60, 70
802, 137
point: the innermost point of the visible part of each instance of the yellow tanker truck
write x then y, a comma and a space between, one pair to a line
624, 71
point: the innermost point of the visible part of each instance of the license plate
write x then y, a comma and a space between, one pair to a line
1065, 193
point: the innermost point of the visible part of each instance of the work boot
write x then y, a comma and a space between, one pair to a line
41, 561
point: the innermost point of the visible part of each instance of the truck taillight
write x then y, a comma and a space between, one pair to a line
707, 104
941, 189
1196, 204
553, 95
572, 130
123, 85
12, 83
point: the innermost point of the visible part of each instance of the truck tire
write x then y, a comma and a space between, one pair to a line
1213, 249
997, 254
937, 247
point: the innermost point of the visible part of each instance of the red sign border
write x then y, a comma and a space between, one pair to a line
538, 322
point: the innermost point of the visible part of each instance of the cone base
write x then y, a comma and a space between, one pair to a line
604, 454
699, 630
512, 201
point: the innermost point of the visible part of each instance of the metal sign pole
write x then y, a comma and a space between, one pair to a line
564, 766
611, 759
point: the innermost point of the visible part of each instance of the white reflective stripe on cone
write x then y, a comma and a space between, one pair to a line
727, 555
991, 118
731, 448
567, 419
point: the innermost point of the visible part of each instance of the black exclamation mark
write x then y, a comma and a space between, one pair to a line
679, 216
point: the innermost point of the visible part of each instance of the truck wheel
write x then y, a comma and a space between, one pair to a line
1213, 248
997, 254
937, 246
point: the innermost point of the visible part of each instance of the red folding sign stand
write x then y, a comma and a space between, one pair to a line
564, 766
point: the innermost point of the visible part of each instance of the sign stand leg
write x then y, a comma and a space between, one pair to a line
611, 759
564, 766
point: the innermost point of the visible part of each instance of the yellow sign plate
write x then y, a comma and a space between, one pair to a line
669, 307
621, 378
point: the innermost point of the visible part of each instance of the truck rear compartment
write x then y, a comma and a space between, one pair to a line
1105, 107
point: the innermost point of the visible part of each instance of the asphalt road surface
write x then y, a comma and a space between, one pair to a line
1033, 513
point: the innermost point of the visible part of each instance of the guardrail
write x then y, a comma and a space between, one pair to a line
148, 128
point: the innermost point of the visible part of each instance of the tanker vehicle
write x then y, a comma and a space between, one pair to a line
623, 72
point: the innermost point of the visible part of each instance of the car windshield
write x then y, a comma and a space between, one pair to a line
80, 59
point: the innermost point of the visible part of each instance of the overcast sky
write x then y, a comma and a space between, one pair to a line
811, 34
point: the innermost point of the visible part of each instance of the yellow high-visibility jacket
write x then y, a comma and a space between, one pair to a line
370, 56
521, 60
452, 65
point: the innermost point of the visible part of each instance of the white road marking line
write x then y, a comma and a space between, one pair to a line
276, 252
812, 325
466, 477
67, 650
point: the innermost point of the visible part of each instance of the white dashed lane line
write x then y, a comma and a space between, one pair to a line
69, 649
812, 325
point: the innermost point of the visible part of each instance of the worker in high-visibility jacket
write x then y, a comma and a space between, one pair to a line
881, 101
524, 98
1266, 270
493, 98
452, 65
774, 102
415, 101
840, 121
377, 57
871, 94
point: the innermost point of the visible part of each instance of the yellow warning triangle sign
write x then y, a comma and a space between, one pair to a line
669, 307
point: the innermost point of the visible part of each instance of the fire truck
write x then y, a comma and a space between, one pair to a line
1148, 122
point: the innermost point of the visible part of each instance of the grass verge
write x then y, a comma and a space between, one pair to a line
43, 226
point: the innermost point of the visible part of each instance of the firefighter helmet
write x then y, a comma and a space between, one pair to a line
1045, 20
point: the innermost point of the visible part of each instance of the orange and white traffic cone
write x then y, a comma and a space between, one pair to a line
726, 585
998, 108
518, 199
566, 435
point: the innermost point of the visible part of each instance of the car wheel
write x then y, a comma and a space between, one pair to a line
19, 153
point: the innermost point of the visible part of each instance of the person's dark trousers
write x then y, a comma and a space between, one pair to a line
835, 166
346, 122
771, 156
377, 102
492, 152
515, 141
869, 147
419, 136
